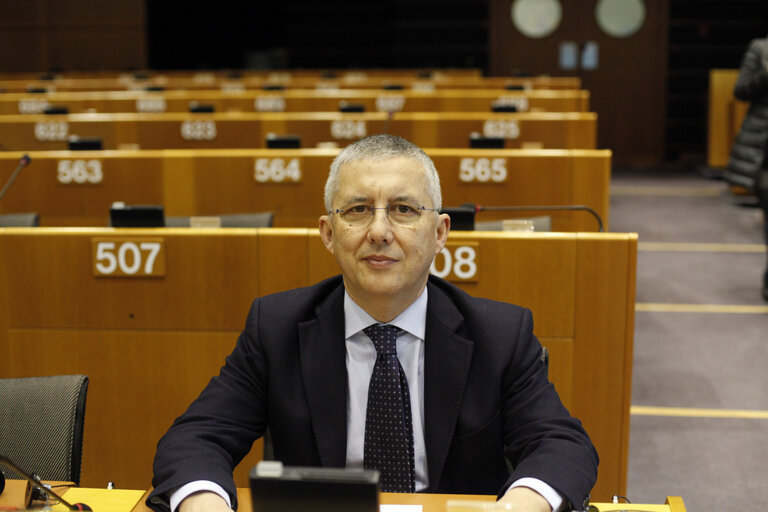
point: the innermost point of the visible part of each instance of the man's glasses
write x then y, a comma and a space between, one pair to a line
402, 214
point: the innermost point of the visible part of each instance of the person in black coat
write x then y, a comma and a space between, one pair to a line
748, 164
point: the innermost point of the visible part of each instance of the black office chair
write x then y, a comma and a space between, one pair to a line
41, 425
237, 220
20, 220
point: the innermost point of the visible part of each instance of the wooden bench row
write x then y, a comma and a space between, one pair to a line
298, 100
76, 188
150, 336
546, 130
293, 82
271, 74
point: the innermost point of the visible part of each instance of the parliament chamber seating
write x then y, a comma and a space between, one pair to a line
149, 315
202, 81
299, 100
150, 336
76, 188
546, 130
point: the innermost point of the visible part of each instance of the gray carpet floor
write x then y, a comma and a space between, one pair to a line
695, 359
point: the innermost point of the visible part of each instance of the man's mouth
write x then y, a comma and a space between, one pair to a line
379, 260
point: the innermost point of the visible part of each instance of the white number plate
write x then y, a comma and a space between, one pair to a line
348, 129
505, 128
277, 170
79, 172
52, 130
198, 130
148, 105
457, 262
483, 170
269, 104
128, 257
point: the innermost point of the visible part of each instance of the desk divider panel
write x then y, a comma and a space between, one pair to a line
725, 116
283, 80
151, 343
545, 130
70, 188
298, 100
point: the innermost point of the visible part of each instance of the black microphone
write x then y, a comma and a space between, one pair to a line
23, 162
2, 481
34, 484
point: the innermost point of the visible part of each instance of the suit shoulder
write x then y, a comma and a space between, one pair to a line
297, 303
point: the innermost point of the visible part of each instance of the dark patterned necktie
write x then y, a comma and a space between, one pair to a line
388, 425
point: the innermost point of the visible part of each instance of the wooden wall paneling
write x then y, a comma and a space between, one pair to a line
725, 116
579, 286
140, 381
284, 259
216, 182
300, 100
605, 288
588, 187
628, 87
508, 262
545, 130
73, 297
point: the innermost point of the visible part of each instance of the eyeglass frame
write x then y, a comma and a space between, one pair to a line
386, 209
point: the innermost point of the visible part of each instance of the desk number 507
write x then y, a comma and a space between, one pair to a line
128, 258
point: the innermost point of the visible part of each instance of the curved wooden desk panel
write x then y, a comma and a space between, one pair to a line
725, 116
209, 81
70, 188
545, 130
299, 100
149, 344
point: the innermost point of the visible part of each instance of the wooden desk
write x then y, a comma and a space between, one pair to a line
209, 74
76, 188
299, 100
545, 130
726, 115
150, 344
14, 497
438, 502
210, 81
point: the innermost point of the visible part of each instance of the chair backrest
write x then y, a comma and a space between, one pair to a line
41, 425
19, 220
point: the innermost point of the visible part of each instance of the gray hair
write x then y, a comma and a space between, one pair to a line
382, 147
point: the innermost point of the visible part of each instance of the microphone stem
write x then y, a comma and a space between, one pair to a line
22, 163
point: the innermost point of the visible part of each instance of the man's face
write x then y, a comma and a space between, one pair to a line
380, 258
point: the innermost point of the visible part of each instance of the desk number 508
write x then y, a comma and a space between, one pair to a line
461, 265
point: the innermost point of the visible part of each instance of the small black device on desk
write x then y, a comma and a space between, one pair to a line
313, 489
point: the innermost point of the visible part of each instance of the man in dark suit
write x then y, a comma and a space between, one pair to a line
472, 393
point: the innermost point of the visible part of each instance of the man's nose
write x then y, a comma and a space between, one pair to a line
380, 229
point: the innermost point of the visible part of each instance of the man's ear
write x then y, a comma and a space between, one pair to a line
326, 232
443, 227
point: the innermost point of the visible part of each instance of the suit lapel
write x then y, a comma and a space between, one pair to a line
323, 367
447, 358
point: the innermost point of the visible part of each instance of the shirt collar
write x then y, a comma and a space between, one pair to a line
412, 320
